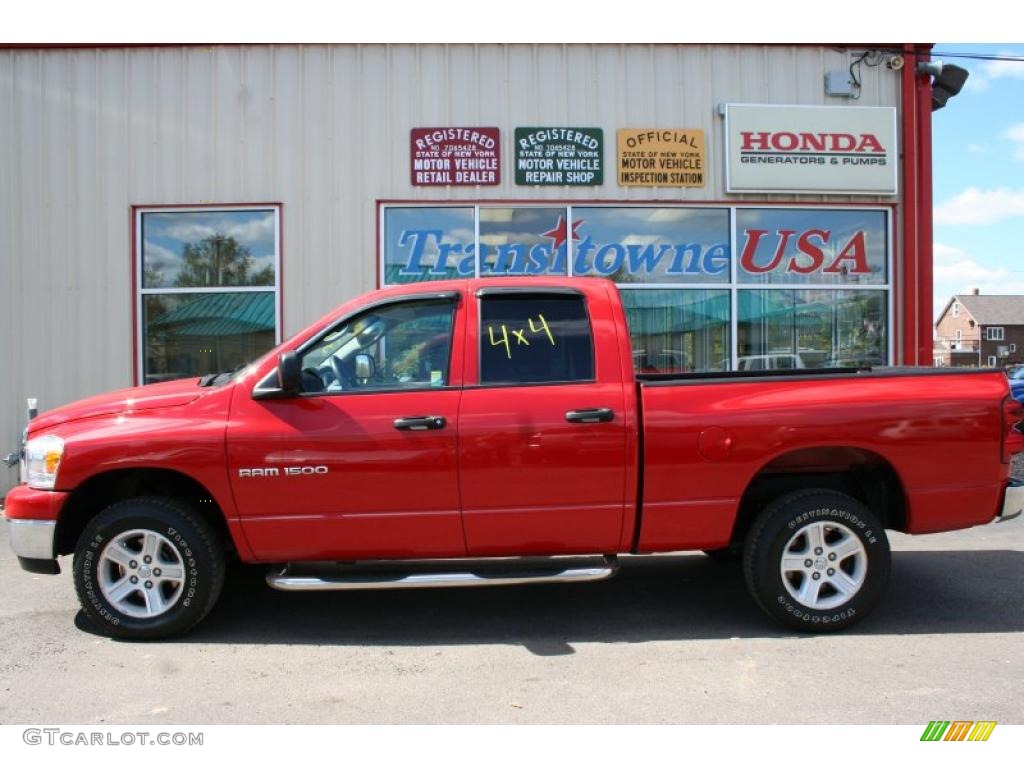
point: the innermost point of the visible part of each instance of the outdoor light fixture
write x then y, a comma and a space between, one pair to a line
930, 68
947, 80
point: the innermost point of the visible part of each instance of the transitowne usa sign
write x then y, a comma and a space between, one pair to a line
845, 150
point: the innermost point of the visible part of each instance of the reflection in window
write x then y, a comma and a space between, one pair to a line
194, 334
428, 243
825, 247
404, 346
208, 249
208, 289
678, 331
652, 245
811, 329
523, 241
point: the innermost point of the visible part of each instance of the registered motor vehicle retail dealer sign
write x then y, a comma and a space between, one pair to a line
570, 157
661, 157
455, 157
846, 150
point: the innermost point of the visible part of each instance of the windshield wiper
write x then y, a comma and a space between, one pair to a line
216, 379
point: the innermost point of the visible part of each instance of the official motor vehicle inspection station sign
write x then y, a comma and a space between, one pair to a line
572, 157
787, 148
661, 157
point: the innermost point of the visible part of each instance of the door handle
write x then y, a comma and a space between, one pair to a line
590, 415
418, 423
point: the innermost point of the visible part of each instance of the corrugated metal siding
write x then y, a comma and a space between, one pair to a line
87, 133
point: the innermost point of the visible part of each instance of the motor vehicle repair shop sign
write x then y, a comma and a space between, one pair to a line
789, 148
571, 157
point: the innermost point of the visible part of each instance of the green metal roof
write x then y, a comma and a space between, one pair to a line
219, 314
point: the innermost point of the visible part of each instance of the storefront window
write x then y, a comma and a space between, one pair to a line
523, 241
193, 334
652, 245
810, 329
811, 247
678, 331
808, 287
428, 243
207, 289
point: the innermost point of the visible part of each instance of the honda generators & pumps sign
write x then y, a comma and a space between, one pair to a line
785, 149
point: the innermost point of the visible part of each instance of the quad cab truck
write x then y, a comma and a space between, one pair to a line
493, 431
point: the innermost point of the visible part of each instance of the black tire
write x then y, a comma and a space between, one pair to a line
787, 526
182, 537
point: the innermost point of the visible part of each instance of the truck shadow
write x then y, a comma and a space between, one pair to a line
674, 597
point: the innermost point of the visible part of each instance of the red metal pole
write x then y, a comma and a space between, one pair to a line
925, 255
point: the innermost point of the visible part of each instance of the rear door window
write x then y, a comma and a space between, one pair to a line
535, 338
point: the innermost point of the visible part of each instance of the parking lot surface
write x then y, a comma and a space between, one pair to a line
672, 639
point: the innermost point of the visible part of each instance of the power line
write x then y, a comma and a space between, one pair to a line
980, 56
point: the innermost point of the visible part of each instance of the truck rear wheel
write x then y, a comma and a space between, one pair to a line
816, 560
147, 568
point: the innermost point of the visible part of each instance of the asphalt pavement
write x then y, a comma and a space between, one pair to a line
672, 639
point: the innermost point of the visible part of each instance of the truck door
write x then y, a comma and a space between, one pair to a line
363, 463
542, 427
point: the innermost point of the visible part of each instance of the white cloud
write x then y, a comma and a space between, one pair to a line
993, 70
163, 261
976, 84
969, 273
983, 74
257, 233
1015, 133
976, 149
958, 272
947, 253
641, 240
188, 231
253, 231
981, 206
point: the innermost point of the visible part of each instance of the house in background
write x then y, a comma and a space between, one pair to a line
980, 330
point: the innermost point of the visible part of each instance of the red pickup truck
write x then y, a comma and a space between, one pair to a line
490, 432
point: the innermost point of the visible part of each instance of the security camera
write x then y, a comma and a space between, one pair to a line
895, 63
932, 68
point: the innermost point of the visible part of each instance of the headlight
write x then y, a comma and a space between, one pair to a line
42, 460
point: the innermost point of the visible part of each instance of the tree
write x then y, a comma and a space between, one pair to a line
219, 260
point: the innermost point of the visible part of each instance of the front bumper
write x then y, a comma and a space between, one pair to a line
1013, 501
33, 539
32, 527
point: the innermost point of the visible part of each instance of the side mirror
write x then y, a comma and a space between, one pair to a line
365, 367
289, 375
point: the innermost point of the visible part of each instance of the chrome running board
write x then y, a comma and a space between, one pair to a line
305, 577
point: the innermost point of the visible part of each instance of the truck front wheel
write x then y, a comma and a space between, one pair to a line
147, 568
816, 560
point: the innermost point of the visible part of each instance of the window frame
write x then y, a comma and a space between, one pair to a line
992, 361
523, 292
991, 335
452, 299
733, 285
139, 292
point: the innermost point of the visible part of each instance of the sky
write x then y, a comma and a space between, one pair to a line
978, 161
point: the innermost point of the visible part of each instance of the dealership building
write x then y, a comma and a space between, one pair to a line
169, 211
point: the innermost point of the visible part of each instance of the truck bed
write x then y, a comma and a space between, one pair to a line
708, 438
